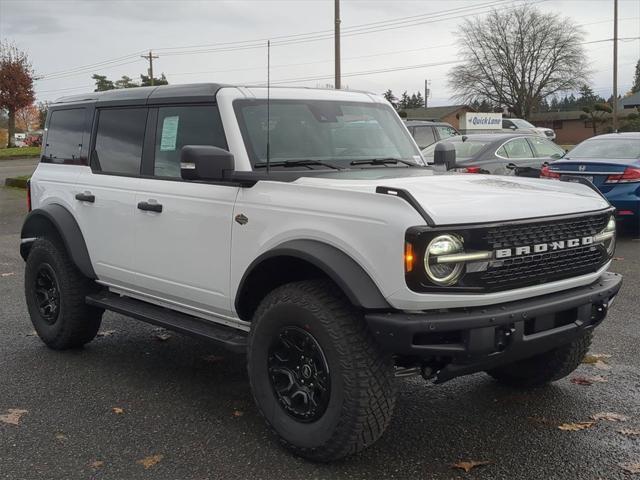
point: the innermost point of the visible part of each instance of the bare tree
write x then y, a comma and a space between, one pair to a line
517, 58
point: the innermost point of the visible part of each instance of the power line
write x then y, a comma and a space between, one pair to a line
295, 38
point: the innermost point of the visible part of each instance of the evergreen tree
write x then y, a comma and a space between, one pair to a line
391, 98
635, 88
405, 101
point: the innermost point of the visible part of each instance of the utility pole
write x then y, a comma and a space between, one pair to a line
337, 43
150, 57
615, 65
427, 91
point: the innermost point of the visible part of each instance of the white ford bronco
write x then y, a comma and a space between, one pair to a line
302, 227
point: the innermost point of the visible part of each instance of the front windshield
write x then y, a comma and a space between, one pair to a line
334, 132
620, 148
464, 149
518, 122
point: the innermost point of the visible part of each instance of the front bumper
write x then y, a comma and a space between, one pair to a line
468, 340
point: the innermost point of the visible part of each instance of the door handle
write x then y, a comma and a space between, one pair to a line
150, 207
86, 197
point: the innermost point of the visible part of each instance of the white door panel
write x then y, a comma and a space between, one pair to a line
107, 224
182, 253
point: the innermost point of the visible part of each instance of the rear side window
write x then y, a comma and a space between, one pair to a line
423, 136
544, 148
119, 139
64, 136
516, 149
180, 126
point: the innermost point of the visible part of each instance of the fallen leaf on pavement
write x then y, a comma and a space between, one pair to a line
610, 417
631, 467
600, 365
60, 436
13, 416
106, 333
618, 258
162, 334
595, 357
148, 462
7, 274
213, 359
96, 464
588, 380
32, 333
469, 465
237, 413
117, 410
574, 427
632, 432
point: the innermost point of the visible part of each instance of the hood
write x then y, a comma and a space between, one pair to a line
470, 198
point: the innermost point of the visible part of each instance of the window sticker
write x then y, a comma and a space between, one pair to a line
169, 134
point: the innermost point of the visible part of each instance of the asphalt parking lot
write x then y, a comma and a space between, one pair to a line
135, 404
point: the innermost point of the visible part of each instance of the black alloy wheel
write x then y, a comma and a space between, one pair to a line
299, 374
47, 293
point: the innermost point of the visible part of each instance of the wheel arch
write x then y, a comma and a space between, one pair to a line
56, 220
303, 259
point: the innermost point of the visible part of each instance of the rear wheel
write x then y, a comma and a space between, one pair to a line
55, 292
316, 373
546, 367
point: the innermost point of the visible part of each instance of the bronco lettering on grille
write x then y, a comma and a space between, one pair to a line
543, 247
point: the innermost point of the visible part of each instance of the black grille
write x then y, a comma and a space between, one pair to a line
518, 235
548, 266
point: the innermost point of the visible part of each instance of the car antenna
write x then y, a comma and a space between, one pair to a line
268, 100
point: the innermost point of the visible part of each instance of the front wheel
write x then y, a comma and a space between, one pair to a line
316, 373
544, 368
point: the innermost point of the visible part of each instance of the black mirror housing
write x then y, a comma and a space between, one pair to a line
205, 162
444, 155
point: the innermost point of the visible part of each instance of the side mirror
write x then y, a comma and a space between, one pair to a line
513, 127
444, 156
205, 162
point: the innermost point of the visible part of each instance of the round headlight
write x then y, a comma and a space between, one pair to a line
443, 273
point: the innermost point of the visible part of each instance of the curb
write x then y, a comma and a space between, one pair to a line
16, 182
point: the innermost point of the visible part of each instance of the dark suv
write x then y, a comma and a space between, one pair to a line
426, 132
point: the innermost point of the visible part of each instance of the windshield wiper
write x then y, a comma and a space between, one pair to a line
297, 163
384, 161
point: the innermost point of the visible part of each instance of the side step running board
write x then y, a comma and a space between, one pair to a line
232, 339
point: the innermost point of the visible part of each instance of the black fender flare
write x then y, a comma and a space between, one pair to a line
41, 220
343, 270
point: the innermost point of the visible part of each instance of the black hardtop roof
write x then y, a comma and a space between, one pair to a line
189, 93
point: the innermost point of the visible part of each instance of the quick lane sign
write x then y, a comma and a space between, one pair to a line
481, 121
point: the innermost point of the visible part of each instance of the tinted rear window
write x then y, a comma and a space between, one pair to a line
64, 136
607, 148
119, 140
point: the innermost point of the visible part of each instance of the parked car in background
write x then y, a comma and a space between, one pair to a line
501, 154
518, 125
612, 163
427, 133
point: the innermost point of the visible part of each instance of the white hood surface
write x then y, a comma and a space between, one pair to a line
453, 199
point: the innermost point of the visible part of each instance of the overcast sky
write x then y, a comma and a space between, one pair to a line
199, 41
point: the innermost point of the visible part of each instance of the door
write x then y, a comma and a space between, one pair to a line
106, 193
514, 153
183, 228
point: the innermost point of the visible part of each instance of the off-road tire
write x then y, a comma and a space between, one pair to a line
544, 368
363, 390
76, 323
